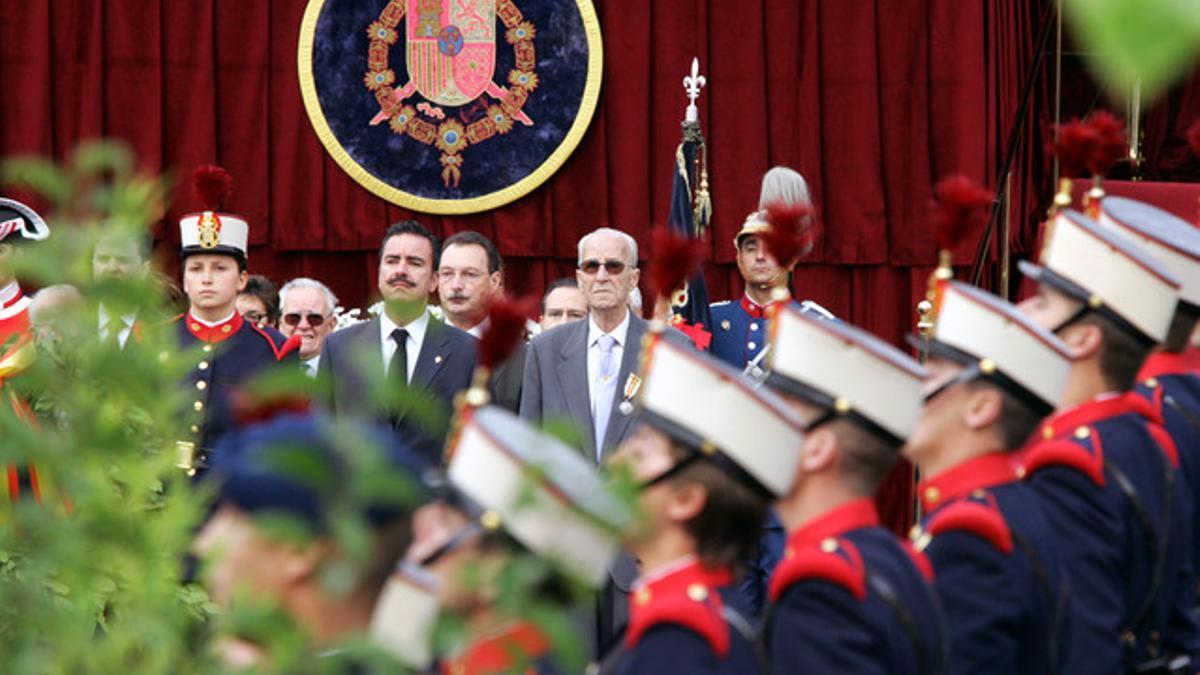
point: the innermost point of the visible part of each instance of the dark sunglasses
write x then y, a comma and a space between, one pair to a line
293, 319
613, 267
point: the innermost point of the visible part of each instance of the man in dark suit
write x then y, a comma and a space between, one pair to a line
470, 276
436, 360
585, 372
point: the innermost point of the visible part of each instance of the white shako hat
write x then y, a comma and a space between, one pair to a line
846, 370
211, 230
981, 331
1110, 274
746, 431
18, 222
537, 489
1169, 239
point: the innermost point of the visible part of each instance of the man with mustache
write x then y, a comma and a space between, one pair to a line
119, 258
424, 362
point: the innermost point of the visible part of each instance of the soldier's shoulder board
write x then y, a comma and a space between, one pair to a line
836, 561
973, 517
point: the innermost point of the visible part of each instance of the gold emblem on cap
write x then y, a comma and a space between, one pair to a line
987, 366
1082, 433
842, 405
1095, 301
209, 230
490, 520
708, 448
697, 592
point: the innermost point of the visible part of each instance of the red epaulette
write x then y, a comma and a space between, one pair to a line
289, 345
504, 652
695, 606
920, 560
1066, 453
981, 518
836, 561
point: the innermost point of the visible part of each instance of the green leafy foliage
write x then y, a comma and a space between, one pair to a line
1150, 43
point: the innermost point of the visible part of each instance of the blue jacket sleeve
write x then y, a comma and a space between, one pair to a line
670, 649
818, 628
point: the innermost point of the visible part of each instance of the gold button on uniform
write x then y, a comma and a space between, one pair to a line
1152, 382
1082, 433
642, 596
203, 365
829, 545
198, 405
932, 493
207, 348
1047, 432
697, 592
194, 429
201, 385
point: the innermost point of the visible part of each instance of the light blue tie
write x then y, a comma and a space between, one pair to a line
605, 390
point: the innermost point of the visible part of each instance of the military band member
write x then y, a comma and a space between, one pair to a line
19, 226
232, 350
703, 481
993, 375
301, 467
1165, 380
848, 596
512, 491
1102, 467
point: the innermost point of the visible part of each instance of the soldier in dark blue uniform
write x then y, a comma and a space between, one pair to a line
849, 596
1102, 467
511, 491
740, 332
231, 350
703, 478
993, 374
301, 467
1165, 380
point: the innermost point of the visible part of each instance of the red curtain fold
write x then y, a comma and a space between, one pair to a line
871, 100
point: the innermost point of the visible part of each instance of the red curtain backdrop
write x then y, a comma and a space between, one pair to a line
872, 100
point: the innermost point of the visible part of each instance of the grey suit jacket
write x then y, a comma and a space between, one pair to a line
555, 386
444, 367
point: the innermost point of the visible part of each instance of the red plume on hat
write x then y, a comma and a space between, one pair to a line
792, 231
674, 258
213, 186
963, 208
1074, 146
506, 328
1110, 144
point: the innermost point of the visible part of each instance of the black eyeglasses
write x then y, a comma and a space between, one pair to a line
293, 319
613, 267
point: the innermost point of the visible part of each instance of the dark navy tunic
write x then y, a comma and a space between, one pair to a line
996, 570
231, 354
686, 619
1102, 473
849, 597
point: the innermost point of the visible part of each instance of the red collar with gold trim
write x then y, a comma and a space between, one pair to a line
218, 333
515, 645
985, 471
1159, 364
686, 595
1097, 410
854, 515
757, 311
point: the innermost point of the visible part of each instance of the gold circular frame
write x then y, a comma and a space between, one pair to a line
583, 118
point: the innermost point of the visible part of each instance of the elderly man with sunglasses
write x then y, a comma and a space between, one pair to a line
584, 373
306, 309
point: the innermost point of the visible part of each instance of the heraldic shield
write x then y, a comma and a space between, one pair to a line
450, 106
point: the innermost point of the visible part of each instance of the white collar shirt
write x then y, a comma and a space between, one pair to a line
416, 337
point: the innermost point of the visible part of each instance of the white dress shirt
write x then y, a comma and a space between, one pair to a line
595, 386
310, 365
416, 337
126, 326
476, 331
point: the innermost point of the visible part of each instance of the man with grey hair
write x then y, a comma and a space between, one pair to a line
306, 309
585, 372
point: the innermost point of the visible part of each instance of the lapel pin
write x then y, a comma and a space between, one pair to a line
437, 359
632, 384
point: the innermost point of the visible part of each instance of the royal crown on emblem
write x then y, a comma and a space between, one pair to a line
212, 231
